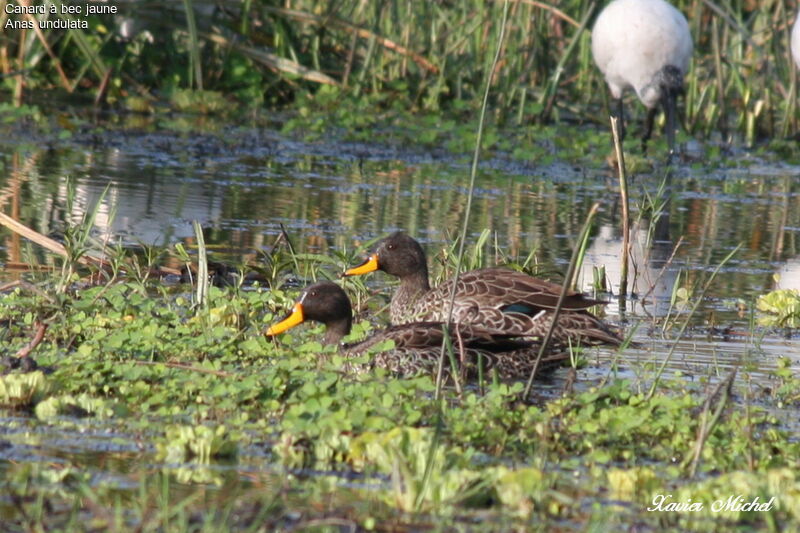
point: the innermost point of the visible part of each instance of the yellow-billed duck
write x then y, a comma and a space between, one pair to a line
417, 345
496, 298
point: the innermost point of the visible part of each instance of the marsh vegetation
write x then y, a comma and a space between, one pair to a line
295, 137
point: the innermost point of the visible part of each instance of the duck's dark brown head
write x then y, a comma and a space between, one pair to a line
323, 302
398, 255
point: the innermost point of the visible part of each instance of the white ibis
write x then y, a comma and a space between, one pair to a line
644, 44
796, 40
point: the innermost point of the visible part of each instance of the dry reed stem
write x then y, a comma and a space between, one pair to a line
26, 350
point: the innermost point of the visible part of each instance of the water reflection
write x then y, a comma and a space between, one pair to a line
245, 185
153, 212
651, 279
787, 276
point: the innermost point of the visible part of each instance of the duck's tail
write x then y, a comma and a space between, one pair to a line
584, 328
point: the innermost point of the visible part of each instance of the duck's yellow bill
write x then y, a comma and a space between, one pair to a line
370, 265
295, 317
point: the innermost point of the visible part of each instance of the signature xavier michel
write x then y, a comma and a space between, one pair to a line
664, 502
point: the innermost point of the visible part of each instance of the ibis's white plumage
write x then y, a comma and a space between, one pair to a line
643, 44
796, 40
633, 40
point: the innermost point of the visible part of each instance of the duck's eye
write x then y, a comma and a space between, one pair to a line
390, 246
312, 293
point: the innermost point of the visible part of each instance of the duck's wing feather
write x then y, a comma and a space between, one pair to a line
417, 348
509, 290
516, 304
430, 334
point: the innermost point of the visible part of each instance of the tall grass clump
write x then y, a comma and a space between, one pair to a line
741, 85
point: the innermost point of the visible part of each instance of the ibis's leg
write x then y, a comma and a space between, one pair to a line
648, 127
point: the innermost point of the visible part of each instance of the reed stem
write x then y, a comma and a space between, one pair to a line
564, 290
626, 216
471, 190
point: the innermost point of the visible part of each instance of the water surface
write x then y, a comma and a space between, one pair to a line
245, 184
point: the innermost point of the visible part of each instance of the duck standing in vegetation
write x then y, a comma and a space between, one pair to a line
417, 345
646, 45
497, 298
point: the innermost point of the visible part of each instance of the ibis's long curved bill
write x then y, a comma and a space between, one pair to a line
295, 317
370, 265
671, 112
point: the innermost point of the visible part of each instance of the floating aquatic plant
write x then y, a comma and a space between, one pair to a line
200, 443
521, 489
22, 390
79, 406
782, 308
195, 472
628, 484
404, 454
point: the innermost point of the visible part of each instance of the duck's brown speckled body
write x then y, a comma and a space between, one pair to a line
496, 298
417, 345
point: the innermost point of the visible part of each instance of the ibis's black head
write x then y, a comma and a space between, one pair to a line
670, 80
